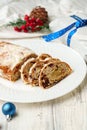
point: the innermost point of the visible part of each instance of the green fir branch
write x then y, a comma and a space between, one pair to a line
18, 23
45, 26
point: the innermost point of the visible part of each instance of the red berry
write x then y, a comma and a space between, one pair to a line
23, 27
26, 17
40, 23
33, 19
27, 24
29, 21
33, 25
25, 30
17, 29
32, 30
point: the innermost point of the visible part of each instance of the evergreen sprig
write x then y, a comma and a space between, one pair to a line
45, 26
18, 23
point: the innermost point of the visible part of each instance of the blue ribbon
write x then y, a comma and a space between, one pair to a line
78, 24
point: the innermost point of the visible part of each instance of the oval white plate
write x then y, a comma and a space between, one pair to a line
9, 33
18, 92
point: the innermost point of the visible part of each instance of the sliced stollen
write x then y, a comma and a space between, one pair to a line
28, 64
35, 70
43, 56
11, 59
25, 68
52, 73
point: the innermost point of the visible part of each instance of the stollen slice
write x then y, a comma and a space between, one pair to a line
25, 70
43, 57
52, 73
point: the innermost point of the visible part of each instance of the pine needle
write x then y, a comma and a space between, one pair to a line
18, 23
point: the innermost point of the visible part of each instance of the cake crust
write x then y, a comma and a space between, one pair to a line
11, 59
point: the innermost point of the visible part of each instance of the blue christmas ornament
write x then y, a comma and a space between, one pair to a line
9, 110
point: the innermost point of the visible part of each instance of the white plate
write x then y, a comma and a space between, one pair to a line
18, 92
9, 33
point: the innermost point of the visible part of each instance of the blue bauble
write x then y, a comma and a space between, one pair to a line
9, 109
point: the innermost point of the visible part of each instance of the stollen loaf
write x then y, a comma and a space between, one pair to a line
11, 59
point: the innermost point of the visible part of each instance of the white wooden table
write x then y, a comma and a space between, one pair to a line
65, 113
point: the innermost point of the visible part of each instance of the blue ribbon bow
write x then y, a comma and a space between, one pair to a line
78, 24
